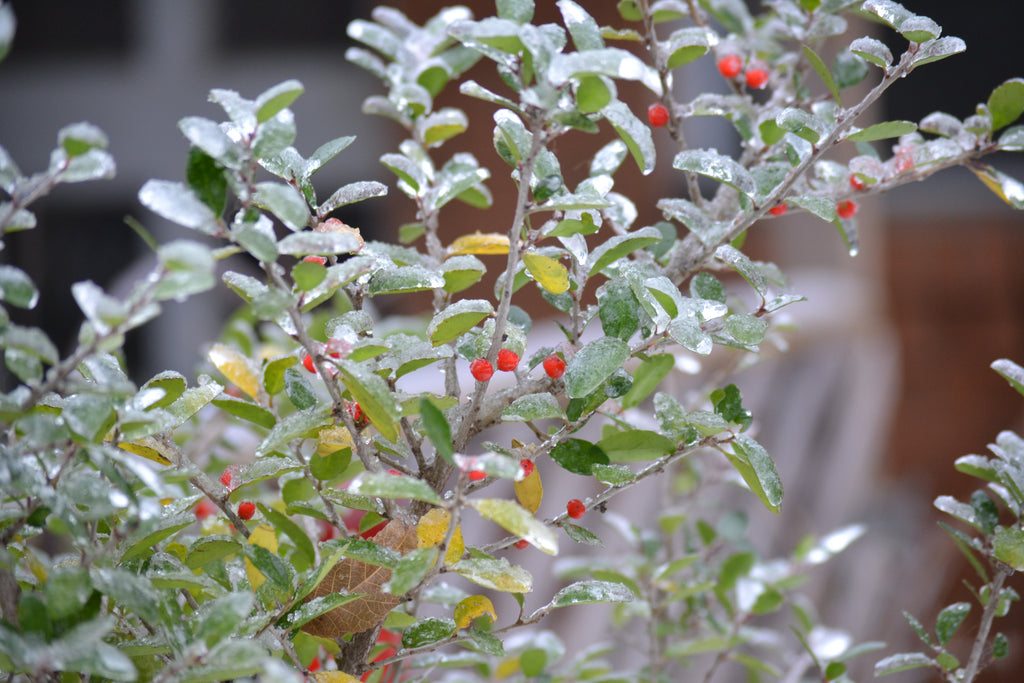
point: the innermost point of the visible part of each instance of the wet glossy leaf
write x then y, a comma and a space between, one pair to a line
374, 396
819, 66
949, 620
517, 521
579, 456
757, 468
882, 131
822, 207
590, 592
635, 445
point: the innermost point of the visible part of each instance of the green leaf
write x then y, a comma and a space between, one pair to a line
350, 194
579, 456
457, 319
207, 549
746, 329
883, 131
247, 411
403, 280
374, 396
729, 404
613, 475
614, 248
634, 133
178, 203
518, 521
609, 61
411, 569
618, 309
293, 426
590, 592
1006, 103
17, 288
822, 207
386, 485
427, 631
872, 50
686, 45
819, 66
580, 535
902, 662
285, 202
188, 269
635, 445
1011, 372
593, 364
79, 138
950, 619
709, 163
276, 98
206, 178
496, 574
462, 272
757, 468
934, 50
539, 406
1008, 546
437, 430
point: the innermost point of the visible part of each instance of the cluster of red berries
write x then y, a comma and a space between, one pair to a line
731, 66
482, 370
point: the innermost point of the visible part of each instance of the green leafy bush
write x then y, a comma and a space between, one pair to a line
302, 504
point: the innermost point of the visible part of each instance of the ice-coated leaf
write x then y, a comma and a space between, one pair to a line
746, 329
374, 396
1010, 190
351, 193
496, 574
438, 126
7, 27
387, 485
548, 272
462, 272
579, 456
934, 50
739, 262
634, 133
801, 123
293, 426
323, 604
17, 288
950, 619
491, 464
919, 29
457, 319
685, 45
872, 50
246, 411
902, 662
589, 592
757, 468
188, 269
585, 32
1006, 103
79, 138
822, 207
614, 248
539, 406
882, 131
322, 243
102, 310
208, 136
693, 217
274, 99
409, 572
427, 631
518, 521
724, 169
285, 202
236, 367
1011, 372
1008, 546
176, 202
403, 280
635, 445
325, 153
610, 61
593, 364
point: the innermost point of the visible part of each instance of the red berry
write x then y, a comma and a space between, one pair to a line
527, 466
508, 360
856, 183
554, 366
778, 209
205, 508
307, 363
575, 508
846, 209
481, 370
225, 478
757, 78
314, 665
246, 510
522, 544
477, 475
730, 66
657, 114
359, 417
322, 260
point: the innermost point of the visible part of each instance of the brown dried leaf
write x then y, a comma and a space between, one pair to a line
354, 576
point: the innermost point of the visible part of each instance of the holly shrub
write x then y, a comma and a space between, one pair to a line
300, 508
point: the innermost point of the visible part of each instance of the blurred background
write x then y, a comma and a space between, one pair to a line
887, 380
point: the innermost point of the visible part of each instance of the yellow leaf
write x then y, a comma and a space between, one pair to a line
431, 530
472, 607
236, 367
264, 537
147, 448
480, 244
530, 491
549, 273
1004, 187
333, 677
332, 439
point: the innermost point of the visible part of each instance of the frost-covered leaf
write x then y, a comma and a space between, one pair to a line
176, 202
351, 193
724, 169
757, 468
387, 485
872, 50
496, 574
517, 521
589, 592
276, 98
539, 406
593, 364
634, 133
902, 662
457, 319
285, 202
